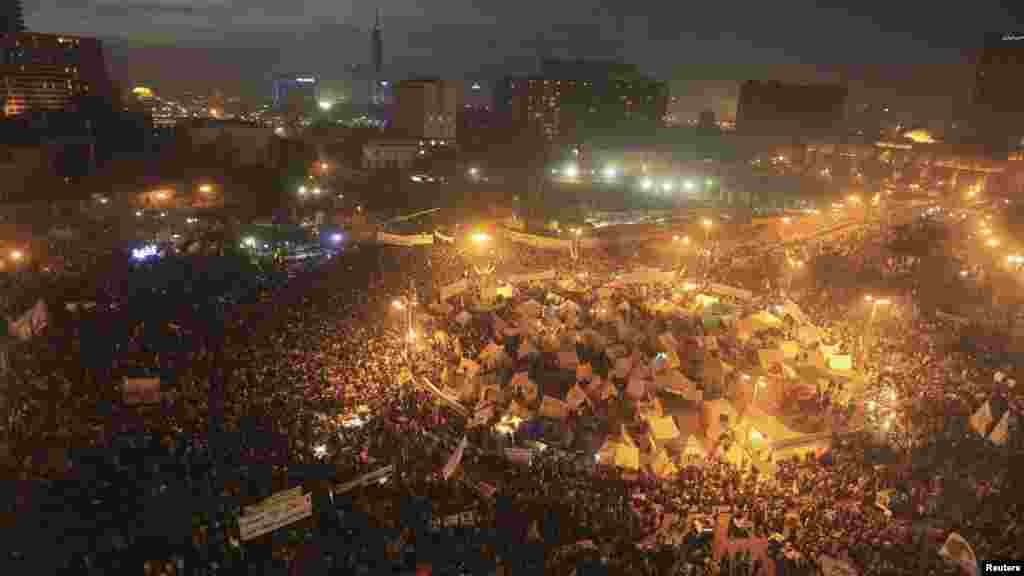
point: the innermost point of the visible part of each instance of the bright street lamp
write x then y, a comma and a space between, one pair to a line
646, 184
572, 171
688, 184
16, 255
398, 305
992, 242
302, 190
326, 105
667, 186
206, 188
610, 172
480, 237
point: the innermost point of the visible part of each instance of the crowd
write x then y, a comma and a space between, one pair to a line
269, 398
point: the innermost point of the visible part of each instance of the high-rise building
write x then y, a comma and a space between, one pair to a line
997, 106
45, 72
790, 110
11, 19
577, 100
427, 108
295, 93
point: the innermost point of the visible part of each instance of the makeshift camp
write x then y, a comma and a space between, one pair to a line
507, 291
554, 408
790, 349
576, 397
529, 309
663, 428
568, 360
840, 362
769, 358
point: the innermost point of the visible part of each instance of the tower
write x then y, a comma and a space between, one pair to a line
377, 60
11, 19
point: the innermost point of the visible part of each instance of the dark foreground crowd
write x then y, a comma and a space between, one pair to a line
267, 402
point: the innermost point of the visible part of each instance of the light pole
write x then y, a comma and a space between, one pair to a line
706, 223
875, 303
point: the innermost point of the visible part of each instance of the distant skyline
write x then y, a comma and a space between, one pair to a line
909, 56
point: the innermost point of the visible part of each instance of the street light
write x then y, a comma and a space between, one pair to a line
992, 243
646, 184
206, 188
16, 255
326, 105
480, 238
302, 190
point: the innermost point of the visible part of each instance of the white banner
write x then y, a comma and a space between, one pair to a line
405, 240
519, 455
363, 480
141, 391
275, 516
274, 499
646, 276
454, 289
546, 275
455, 459
737, 293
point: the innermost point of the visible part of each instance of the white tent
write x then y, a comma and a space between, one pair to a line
529, 309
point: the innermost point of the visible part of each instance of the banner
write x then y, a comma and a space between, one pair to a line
141, 391
274, 499
840, 362
545, 276
519, 455
275, 516
737, 293
454, 460
405, 240
454, 289
363, 480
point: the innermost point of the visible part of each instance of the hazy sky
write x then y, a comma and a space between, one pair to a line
704, 47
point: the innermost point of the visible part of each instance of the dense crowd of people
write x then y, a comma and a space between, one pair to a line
280, 380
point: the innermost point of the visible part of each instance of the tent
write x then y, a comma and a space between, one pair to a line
769, 358
790, 349
663, 428
621, 455
568, 360
554, 408
529, 309
637, 388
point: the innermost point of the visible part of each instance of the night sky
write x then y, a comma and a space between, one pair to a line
907, 54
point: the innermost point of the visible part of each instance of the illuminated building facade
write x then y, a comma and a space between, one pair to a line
45, 72
427, 108
576, 100
791, 110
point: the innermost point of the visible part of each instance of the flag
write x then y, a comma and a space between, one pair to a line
1001, 431
957, 551
454, 460
31, 323
981, 419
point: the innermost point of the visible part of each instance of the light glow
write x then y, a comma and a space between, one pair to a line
688, 184
325, 105
572, 171
646, 184
480, 237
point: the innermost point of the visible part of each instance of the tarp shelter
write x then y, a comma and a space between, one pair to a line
663, 428
840, 362
568, 360
526, 348
604, 293
790, 349
769, 358
529, 309
808, 334
636, 389
623, 366
765, 320
554, 408
576, 397
705, 301
468, 367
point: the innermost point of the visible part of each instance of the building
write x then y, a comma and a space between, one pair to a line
164, 113
233, 142
576, 100
427, 108
997, 105
11, 19
295, 93
790, 110
45, 72
399, 154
